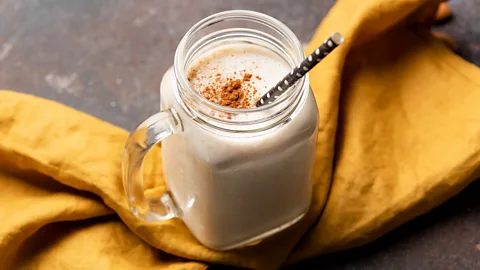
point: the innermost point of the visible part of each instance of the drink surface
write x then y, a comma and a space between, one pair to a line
236, 75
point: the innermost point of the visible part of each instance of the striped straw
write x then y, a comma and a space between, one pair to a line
298, 72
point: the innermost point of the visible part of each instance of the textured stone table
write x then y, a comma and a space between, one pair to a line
106, 57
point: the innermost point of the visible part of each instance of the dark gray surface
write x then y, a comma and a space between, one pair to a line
106, 58
114, 52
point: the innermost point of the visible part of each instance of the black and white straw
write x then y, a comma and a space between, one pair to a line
298, 72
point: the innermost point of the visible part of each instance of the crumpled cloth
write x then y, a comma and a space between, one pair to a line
399, 134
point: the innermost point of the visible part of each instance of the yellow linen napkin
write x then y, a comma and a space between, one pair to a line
398, 135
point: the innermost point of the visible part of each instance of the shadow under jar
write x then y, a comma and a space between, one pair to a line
235, 176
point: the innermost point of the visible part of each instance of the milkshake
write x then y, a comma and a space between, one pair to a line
235, 173
233, 189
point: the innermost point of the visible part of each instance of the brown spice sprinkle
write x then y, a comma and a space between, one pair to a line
231, 92
247, 77
192, 75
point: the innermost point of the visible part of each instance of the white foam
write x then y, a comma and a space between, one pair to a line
236, 60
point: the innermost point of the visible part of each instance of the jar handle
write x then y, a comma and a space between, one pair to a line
146, 135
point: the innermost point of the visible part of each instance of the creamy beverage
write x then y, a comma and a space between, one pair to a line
235, 173
234, 189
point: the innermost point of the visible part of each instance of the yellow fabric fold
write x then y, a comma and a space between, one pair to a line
398, 135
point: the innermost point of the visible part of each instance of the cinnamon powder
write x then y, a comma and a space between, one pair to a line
231, 92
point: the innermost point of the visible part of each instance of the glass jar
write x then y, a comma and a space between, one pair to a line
235, 176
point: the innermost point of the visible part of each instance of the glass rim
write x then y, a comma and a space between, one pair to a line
239, 14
